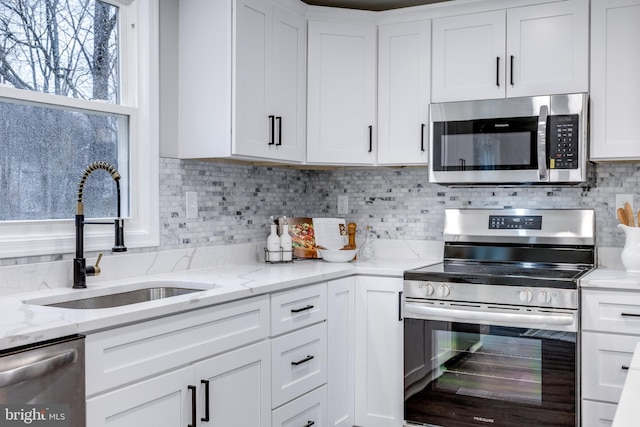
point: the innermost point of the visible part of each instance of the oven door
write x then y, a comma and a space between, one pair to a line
462, 373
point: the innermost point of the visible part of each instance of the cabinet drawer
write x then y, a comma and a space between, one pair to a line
611, 311
299, 363
605, 362
597, 414
123, 355
298, 308
302, 412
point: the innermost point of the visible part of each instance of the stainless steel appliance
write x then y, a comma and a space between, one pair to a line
491, 332
44, 383
532, 140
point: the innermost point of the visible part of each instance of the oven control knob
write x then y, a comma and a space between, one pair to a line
444, 291
427, 289
526, 295
544, 297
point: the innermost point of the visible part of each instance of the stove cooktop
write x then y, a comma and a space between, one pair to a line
520, 274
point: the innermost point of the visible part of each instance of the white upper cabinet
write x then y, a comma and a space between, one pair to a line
341, 109
615, 79
524, 51
242, 80
403, 92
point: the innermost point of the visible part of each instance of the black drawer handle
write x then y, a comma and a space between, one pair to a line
272, 127
299, 310
206, 399
193, 406
309, 424
300, 362
630, 314
498, 71
422, 126
624, 367
279, 120
511, 76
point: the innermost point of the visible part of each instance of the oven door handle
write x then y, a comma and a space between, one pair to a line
452, 314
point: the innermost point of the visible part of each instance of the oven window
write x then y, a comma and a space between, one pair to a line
460, 374
498, 367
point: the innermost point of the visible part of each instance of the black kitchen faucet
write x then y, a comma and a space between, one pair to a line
80, 269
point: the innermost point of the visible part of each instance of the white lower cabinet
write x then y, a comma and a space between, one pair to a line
239, 379
157, 373
610, 332
379, 352
306, 411
341, 348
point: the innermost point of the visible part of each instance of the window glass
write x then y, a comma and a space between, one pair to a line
67, 48
63, 47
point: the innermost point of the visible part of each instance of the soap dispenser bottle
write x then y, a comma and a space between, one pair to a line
286, 243
273, 244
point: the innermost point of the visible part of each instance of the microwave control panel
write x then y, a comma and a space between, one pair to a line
563, 141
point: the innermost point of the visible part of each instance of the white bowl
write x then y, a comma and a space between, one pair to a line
337, 255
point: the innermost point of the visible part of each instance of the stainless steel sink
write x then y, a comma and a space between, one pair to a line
124, 298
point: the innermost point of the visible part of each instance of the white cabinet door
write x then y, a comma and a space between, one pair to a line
548, 49
379, 352
597, 414
238, 388
341, 347
253, 52
533, 50
242, 80
615, 86
269, 87
468, 57
341, 108
403, 92
162, 401
289, 85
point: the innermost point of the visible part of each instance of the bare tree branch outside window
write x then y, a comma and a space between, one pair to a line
67, 48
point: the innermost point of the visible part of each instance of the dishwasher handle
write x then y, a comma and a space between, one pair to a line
37, 369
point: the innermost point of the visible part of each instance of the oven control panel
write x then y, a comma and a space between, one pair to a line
515, 222
492, 294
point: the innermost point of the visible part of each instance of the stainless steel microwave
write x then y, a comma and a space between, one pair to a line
530, 140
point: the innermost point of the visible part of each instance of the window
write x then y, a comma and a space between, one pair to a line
70, 94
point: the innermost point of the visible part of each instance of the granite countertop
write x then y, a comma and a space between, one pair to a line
26, 323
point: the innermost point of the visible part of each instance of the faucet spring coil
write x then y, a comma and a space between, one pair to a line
92, 168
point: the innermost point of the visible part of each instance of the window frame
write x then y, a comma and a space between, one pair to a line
139, 99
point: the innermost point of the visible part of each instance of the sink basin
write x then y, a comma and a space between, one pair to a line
125, 295
124, 298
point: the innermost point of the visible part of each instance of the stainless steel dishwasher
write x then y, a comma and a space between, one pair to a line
44, 384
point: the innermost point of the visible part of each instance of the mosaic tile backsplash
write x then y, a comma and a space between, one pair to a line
236, 200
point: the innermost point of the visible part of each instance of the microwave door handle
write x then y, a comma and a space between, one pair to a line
543, 172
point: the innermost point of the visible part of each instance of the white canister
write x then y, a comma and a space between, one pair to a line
631, 252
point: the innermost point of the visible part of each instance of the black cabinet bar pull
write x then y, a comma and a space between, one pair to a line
624, 367
272, 128
498, 71
511, 76
279, 120
206, 399
370, 138
298, 310
193, 406
422, 137
400, 306
299, 362
309, 424
630, 314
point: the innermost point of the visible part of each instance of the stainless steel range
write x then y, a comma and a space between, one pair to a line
491, 332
